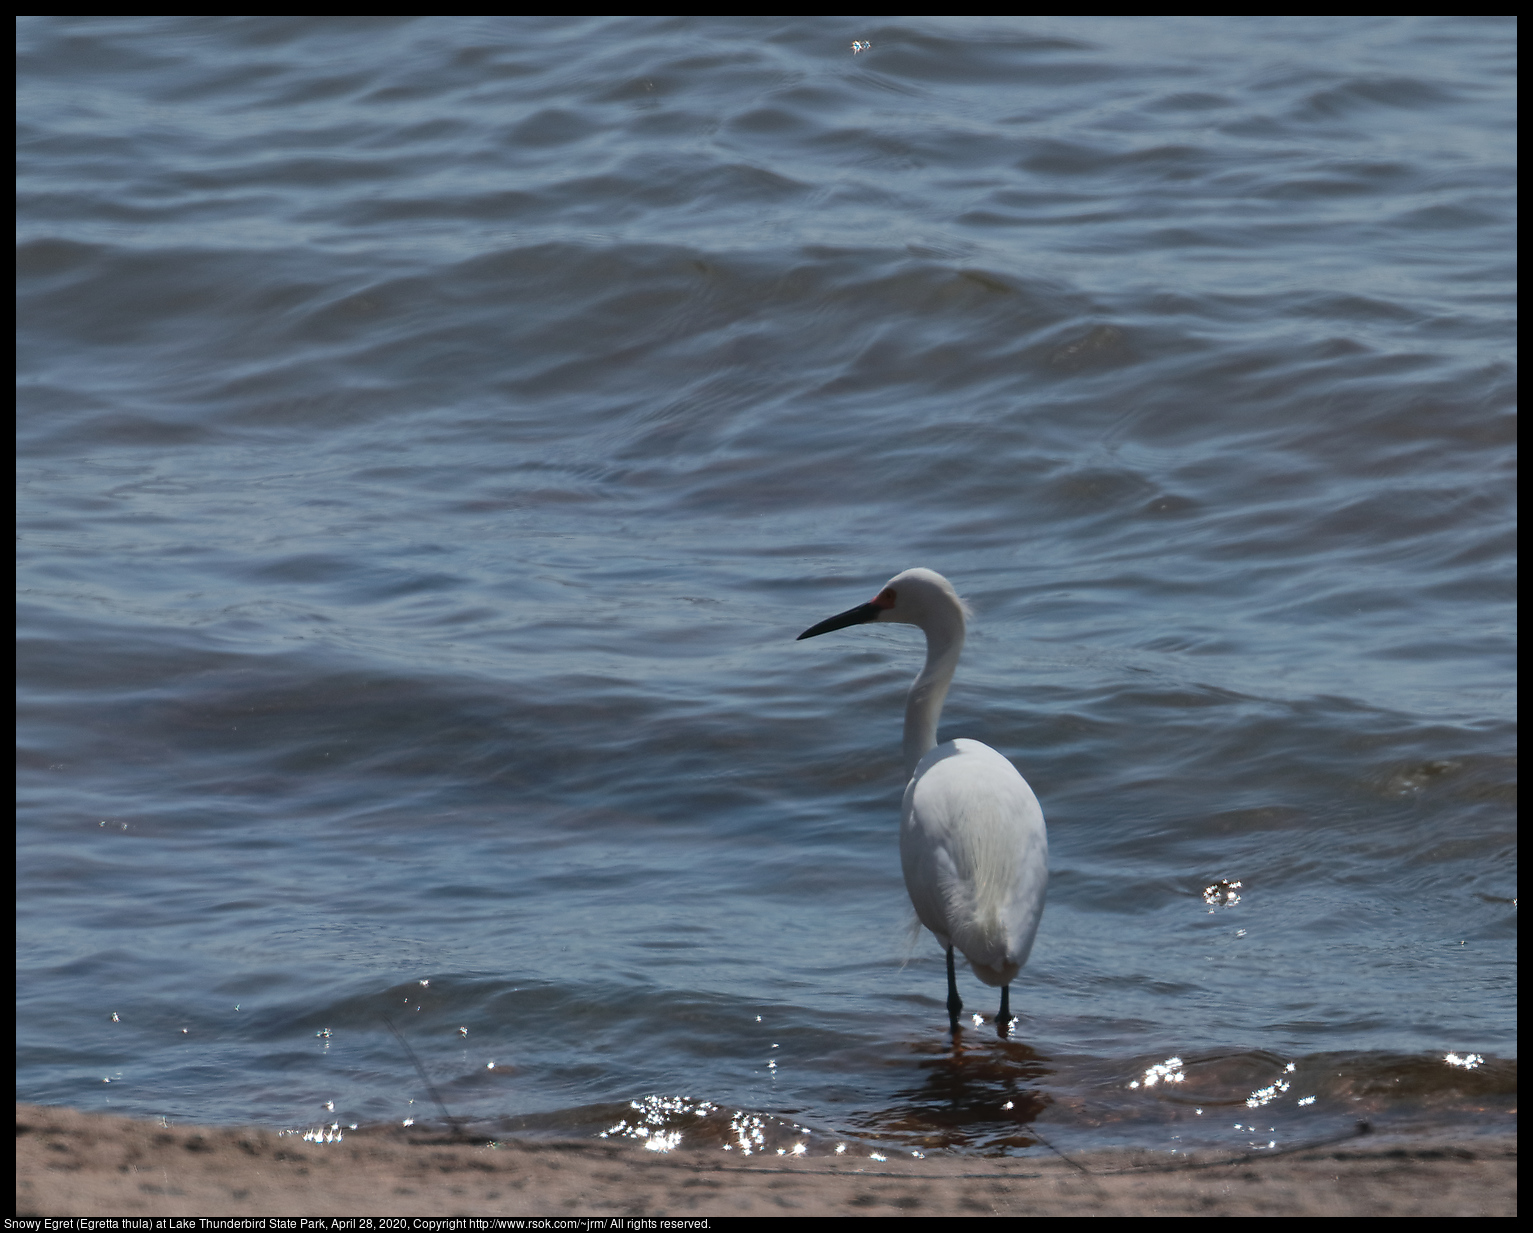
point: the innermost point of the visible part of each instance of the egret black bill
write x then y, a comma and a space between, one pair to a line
860, 615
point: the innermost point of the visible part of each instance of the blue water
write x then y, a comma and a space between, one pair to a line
432, 436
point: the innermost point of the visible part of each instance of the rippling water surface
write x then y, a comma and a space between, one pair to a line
433, 435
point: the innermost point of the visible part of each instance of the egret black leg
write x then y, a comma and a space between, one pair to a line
954, 1002
1003, 1020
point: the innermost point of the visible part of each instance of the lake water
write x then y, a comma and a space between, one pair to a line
433, 435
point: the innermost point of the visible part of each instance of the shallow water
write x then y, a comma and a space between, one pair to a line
433, 435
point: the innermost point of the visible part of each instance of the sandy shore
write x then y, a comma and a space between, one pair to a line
78, 1164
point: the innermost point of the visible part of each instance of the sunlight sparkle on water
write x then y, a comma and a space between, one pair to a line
651, 1124
1169, 1071
1264, 1094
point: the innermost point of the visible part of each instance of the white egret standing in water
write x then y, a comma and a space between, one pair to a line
972, 839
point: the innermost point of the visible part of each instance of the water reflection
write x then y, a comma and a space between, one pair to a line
972, 1094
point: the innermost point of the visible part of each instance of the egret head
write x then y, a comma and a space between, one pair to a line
916, 597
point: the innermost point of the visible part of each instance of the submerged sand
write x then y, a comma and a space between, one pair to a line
83, 1164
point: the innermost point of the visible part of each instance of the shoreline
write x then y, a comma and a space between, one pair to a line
70, 1163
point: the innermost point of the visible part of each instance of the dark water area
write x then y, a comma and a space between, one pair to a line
432, 436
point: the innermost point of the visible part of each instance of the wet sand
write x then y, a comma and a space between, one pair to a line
78, 1164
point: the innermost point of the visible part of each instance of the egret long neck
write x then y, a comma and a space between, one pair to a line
944, 643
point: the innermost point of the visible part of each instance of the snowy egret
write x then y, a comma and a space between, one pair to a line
972, 839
